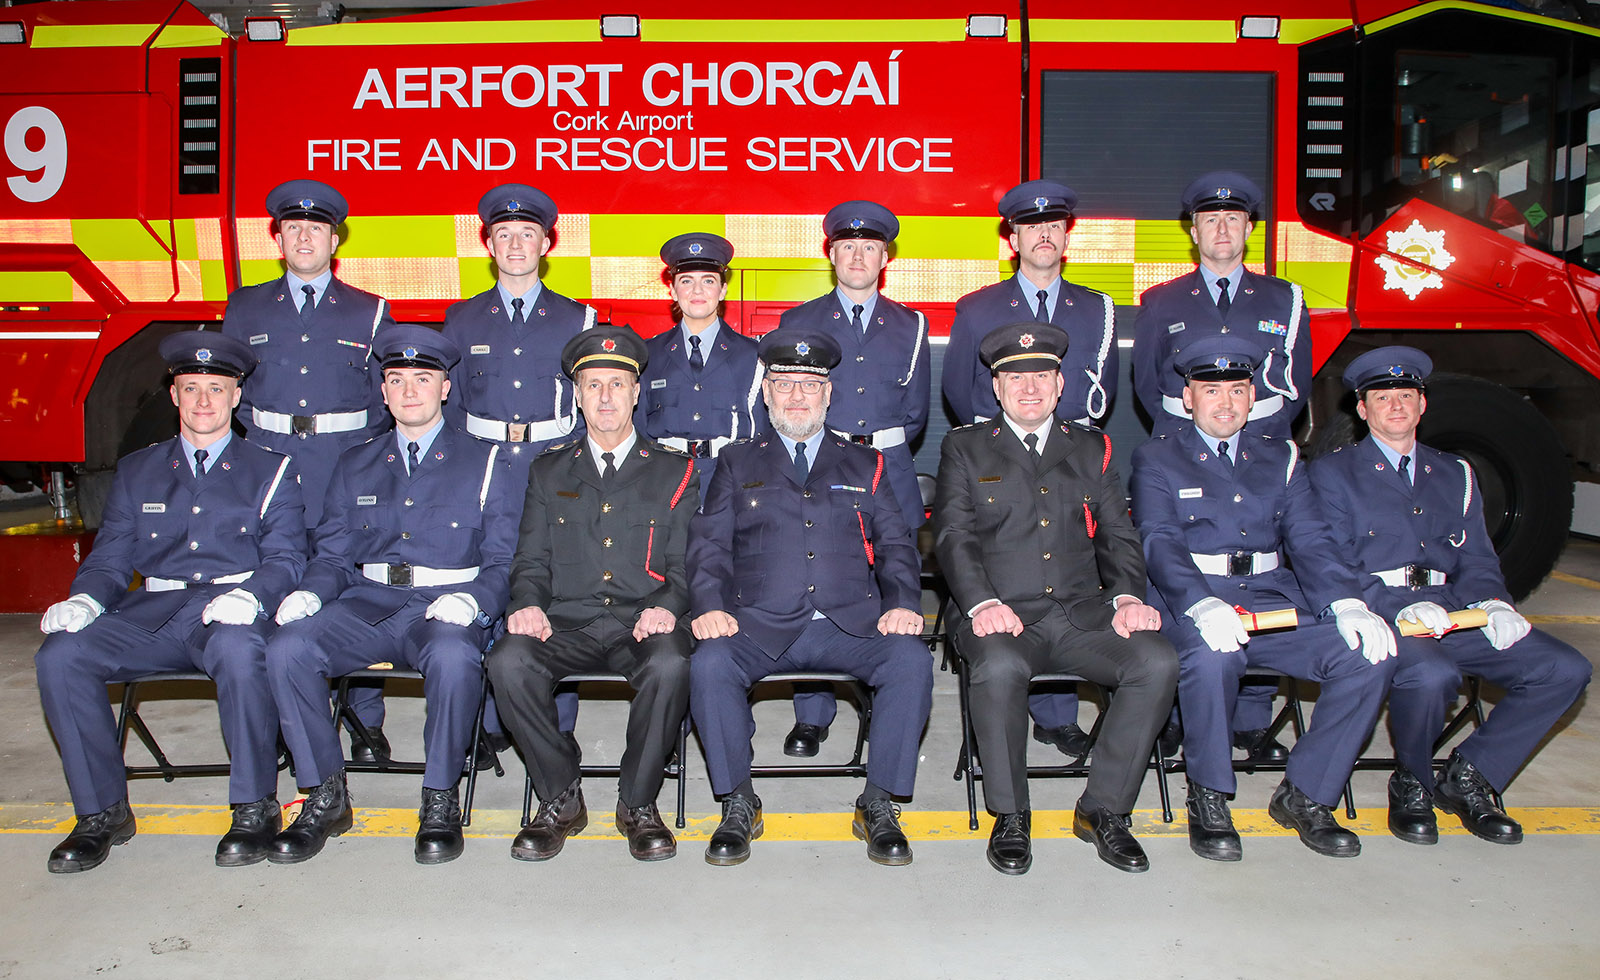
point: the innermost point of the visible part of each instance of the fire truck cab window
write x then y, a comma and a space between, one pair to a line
1473, 134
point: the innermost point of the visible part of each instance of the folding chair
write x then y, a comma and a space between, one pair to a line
129, 717
1472, 712
359, 733
675, 765
861, 695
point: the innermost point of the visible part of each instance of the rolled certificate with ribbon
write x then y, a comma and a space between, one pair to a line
1272, 619
1461, 619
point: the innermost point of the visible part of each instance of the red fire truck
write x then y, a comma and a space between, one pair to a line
1427, 168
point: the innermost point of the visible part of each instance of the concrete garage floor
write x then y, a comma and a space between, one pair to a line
807, 903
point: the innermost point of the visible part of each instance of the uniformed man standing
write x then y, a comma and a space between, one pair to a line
598, 585
702, 389
412, 558
1412, 518
801, 560
880, 386
316, 391
1223, 297
1040, 214
1218, 509
1047, 575
215, 526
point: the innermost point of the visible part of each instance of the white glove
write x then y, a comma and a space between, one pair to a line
236, 608
1429, 615
297, 605
71, 614
1506, 625
455, 608
1364, 629
1218, 624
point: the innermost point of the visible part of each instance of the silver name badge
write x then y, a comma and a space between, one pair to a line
367, 501
1176, 327
155, 508
258, 338
1188, 492
480, 349
658, 383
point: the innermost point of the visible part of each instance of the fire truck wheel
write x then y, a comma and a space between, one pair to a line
154, 419
1524, 474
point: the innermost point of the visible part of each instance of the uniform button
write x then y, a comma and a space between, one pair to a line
1224, 329
302, 435
861, 422
1049, 589
243, 530
861, 391
197, 576
605, 543
991, 500
302, 403
1243, 533
811, 588
859, 358
1087, 498
517, 351
152, 534
811, 554
194, 510
606, 600
697, 386
194, 546
606, 576
516, 384
561, 520
1237, 497
409, 502
1416, 510
1044, 489
305, 338
304, 369
405, 535
605, 508
516, 418
697, 416
1047, 556
808, 524
806, 494
1044, 522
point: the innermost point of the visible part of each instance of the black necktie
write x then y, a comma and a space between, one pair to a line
801, 468
695, 360
1405, 474
1222, 453
611, 466
1223, 302
855, 319
1031, 440
310, 305
200, 462
412, 462
516, 311
1042, 314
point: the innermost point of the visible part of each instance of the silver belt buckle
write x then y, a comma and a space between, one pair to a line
400, 575
1417, 577
303, 425
1241, 563
517, 432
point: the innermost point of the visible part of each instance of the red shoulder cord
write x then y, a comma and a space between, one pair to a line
866, 545
650, 542
1105, 463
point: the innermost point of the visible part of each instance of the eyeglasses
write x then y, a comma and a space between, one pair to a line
807, 387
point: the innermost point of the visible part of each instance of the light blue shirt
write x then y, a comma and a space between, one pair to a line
866, 308
708, 339
423, 444
319, 287
529, 300
1232, 441
1052, 293
1212, 278
213, 451
1393, 456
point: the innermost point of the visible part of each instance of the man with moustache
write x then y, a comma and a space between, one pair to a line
598, 585
801, 560
214, 525
1039, 213
879, 387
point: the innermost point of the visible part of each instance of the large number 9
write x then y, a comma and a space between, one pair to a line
49, 160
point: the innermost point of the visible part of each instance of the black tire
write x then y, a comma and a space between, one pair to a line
1523, 471
154, 420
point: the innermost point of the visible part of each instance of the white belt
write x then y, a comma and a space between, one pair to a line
153, 584
1260, 561
883, 438
714, 444
308, 424
416, 576
1401, 578
519, 431
1260, 410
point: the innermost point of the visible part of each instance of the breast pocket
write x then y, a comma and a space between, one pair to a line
169, 524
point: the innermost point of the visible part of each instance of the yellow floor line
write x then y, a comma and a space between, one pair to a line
212, 821
1572, 579
1590, 620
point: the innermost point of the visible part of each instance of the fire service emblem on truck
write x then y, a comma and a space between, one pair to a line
1421, 246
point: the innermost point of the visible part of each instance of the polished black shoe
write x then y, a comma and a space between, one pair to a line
1010, 850
498, 741
484, 755
92, 838
1314, 822
556, 820
438, 827
1260, 747
741, 824
1463, 791
648, 837
1170, 739
804, 740
1211, 831
250, 837
365, 754
326, 813
1070, 739
878, 823
1411, 809
1109, 834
